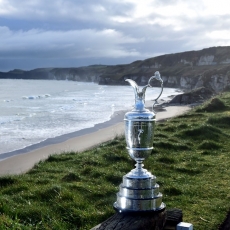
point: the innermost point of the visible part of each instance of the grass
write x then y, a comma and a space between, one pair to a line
77, 190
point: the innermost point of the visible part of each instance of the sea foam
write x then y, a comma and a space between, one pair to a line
41, 109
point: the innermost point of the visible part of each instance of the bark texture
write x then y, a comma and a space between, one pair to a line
134, 221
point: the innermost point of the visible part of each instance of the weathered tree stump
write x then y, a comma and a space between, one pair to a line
174, 217
226, 224
134, 221
165, 220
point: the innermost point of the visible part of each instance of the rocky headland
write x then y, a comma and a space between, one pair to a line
209, 68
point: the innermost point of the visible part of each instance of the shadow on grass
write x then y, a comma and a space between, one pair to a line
166, 160
222, 121
212, 106
201, 132
5, 181
114, 179
172, 191
210, 153
209, 145
113, 157
189, 171
59, 158
70, 177
15, 190
49, 193
171, 146
189, 116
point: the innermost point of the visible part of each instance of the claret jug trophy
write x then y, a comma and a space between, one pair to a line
139, 191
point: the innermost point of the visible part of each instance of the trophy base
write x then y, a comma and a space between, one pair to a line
139, 194
120, 210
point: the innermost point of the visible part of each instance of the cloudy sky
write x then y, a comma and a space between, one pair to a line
72, 33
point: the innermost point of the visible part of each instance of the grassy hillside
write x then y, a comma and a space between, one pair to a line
77, 190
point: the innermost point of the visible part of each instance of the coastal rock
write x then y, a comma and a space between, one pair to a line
206, 60
173, 81
209, 68
195, 96
218, 82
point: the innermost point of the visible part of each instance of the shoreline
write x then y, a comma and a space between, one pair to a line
115, 118
20, 161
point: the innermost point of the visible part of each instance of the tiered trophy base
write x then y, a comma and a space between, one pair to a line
139, 192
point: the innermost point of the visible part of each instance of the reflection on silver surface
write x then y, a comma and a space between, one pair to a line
139, 191
147, 204
131, 180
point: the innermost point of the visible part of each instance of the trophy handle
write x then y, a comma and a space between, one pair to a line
140, 96
156, 76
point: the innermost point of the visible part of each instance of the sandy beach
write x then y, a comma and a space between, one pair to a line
22, 160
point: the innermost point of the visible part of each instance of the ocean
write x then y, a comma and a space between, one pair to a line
32, 111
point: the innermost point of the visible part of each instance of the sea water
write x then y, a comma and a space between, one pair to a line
32, 111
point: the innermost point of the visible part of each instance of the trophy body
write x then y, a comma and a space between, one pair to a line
139, 190
139, 129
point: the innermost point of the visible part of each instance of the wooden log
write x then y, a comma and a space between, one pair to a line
226, 224
134, 221
174, 217
166, 220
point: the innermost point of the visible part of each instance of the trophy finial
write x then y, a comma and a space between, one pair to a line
156, 76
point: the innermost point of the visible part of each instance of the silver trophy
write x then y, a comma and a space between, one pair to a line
139, 190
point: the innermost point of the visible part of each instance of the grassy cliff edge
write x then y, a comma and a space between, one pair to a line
76, 190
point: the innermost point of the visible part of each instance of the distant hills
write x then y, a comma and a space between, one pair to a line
188, 70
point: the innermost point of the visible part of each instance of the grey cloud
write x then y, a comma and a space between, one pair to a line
85, 31
67, 44
61, 10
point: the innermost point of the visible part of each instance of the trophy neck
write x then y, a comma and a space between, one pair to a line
139, 105
139, 172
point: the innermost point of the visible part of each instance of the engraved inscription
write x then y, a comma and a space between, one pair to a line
140, 131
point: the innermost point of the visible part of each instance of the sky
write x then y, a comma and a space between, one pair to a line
73, 33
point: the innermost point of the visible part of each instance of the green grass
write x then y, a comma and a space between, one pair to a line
191, 159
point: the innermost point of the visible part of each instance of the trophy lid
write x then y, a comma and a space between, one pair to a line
139, 112
139, 96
